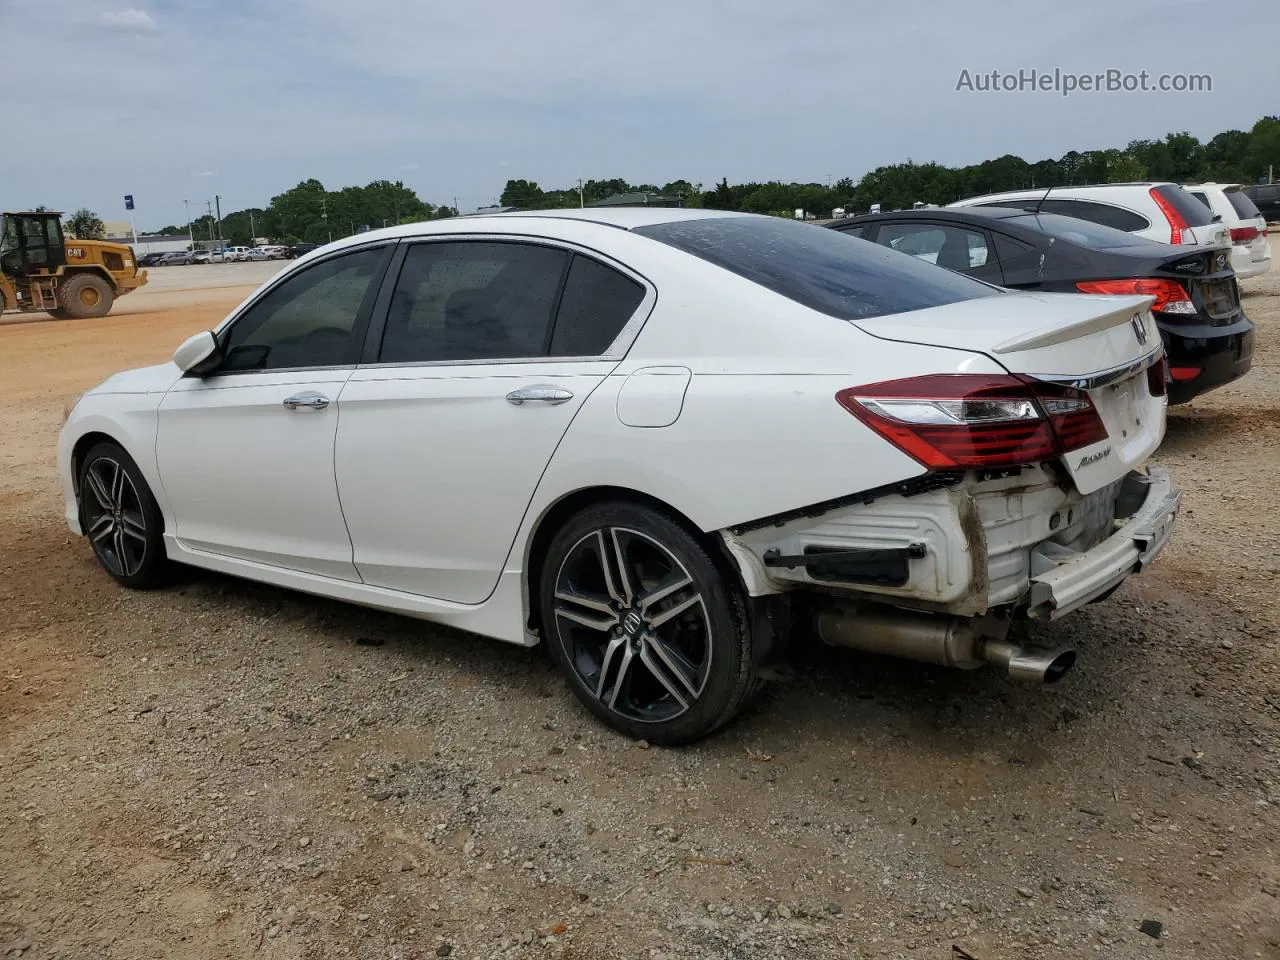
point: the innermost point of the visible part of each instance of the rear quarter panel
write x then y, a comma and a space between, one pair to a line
760, 431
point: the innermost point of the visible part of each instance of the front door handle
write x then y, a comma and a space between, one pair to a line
310, 401
541, 394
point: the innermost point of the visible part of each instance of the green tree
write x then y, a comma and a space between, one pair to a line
1186, 156
521, 193
1126, 168
1264, 148
86, 225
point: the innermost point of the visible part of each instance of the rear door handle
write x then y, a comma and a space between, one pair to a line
310, 401
541, 394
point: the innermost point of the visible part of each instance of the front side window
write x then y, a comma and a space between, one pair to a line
309, 320
473, 300
819, 268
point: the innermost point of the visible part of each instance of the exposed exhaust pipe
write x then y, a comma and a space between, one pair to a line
1034, 666
948, 641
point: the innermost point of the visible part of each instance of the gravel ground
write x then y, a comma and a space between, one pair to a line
222, 769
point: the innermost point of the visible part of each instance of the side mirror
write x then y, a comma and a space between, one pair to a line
196, 351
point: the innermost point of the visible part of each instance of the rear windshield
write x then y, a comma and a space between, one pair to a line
1195, 213
1084, 232
823, 269
1243, 206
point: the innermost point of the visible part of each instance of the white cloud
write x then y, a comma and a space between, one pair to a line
206, 173
131, 20
409, 166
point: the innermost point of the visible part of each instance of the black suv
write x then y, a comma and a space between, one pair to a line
1266, 197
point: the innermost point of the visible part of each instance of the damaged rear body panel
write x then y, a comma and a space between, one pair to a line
1022, 541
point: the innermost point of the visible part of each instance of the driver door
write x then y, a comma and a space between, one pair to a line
246, 452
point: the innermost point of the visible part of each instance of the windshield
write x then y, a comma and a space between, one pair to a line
1084, 232
823, 269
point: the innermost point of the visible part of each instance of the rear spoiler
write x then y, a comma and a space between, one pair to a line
1127, 309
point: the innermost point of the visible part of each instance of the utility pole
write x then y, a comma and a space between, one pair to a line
324, 215
581, 204
191, 238
217, 203
252, 232
208, 204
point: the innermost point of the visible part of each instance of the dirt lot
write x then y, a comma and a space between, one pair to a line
226, 770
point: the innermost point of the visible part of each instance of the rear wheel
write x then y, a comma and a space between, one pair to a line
120, 517
649, 634
86, 295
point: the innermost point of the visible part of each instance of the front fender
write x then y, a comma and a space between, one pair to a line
131, 420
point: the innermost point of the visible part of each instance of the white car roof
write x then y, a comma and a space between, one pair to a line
537, 222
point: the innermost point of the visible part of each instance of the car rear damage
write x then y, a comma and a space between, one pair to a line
1037, 499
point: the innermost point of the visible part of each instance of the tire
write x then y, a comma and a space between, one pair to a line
86, 295
651, 658
121, 518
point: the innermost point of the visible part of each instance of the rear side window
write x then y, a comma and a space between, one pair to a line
1087, 234
1201, 197
1195, 213
854, 231
1101, 213
597, 303
1243, 206
822, 269
473, 300
1007, 248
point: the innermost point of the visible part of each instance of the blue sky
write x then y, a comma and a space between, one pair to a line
181, 99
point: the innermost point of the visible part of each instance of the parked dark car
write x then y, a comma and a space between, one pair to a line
149, 259
1208, 340
1266, 197
299, 249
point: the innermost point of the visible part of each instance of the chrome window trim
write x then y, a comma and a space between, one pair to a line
215, 378
1101, 378
617, 349
287, 274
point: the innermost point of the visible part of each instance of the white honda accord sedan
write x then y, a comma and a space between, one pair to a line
637, 435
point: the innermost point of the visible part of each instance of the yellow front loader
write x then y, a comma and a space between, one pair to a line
40, 270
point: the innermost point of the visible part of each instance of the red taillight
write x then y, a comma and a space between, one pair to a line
1156, 374
1171, 296
1176, 223
1241, 235
1183, 374
976, 421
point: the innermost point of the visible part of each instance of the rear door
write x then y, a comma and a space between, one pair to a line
488, 349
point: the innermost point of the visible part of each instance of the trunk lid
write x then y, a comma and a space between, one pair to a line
1100, 344
1211, 282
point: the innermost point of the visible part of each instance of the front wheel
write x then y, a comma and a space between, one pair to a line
650, 635
121, 518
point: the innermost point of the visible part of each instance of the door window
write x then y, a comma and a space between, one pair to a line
309, 320
473, 300
597, 303
955, 248
1102, 213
